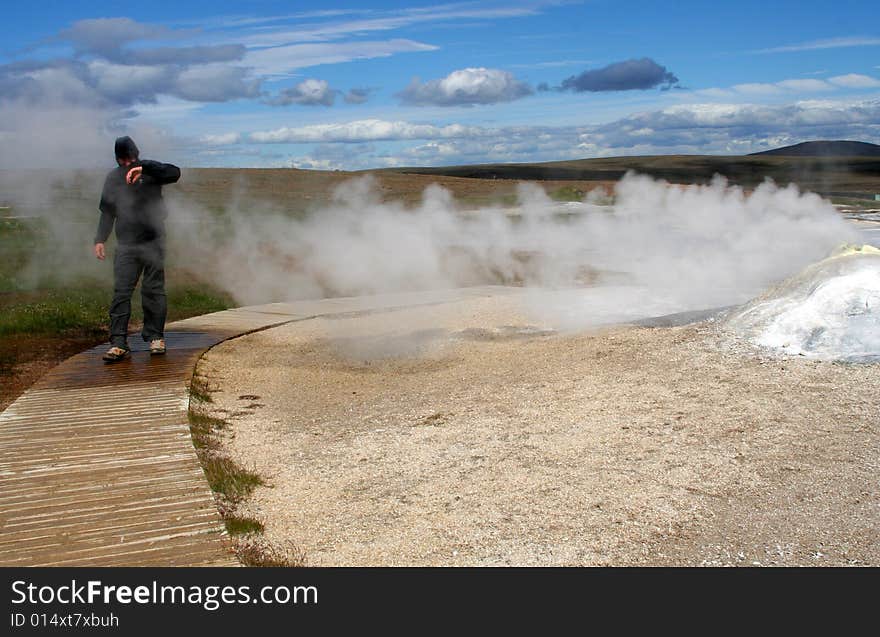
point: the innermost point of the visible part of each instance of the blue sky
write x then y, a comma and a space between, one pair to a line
360, 85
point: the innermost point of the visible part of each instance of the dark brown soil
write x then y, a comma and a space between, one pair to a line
24, 358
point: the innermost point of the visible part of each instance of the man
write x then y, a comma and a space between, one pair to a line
132, 198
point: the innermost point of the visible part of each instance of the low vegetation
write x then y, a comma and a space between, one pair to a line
567, 193
54, 298
232, 484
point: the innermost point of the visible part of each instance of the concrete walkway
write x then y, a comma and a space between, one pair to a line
97, 466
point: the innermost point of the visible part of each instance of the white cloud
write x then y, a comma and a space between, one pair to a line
829, 43
854, 80
283, 60
798, 85
466, 87
108, 35
215, 83
123, 83
710, 126
364, 130
223, 139
387, 21
806, 86
757, 88
105, 84
688, 128
166, 109
310, 92
307, 162
717, 93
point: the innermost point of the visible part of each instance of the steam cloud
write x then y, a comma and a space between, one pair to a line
658, 249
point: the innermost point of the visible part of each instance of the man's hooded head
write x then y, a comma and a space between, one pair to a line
126, 148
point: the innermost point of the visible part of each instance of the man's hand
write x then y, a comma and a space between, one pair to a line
134, 174
99, 251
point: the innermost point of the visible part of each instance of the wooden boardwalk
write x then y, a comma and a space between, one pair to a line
97, 466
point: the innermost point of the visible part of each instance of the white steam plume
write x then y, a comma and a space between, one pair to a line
668, 248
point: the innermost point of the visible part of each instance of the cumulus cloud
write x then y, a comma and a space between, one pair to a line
109, 38
635, 74
106, 84
314, 92
56, 82
123, 84
108, 72
364, 130
466, 87
309, 92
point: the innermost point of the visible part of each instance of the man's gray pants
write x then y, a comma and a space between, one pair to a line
130, 262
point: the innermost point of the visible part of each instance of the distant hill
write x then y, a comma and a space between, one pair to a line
829, 175
839, 148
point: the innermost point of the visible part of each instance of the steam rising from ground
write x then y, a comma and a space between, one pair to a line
658, 249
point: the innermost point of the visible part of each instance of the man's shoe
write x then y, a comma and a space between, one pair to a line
157, 346
115, 353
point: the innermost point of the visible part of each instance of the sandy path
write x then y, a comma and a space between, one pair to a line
438, 436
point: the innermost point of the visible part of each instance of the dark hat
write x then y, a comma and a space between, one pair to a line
126, 148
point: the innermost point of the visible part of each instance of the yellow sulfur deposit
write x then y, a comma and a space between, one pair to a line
849, 249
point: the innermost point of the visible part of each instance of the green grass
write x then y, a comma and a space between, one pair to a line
191, 300
46, 288
567, 193
50, 284
82, 310
236, 525
82, 307
203, 429
198, 389
227, 478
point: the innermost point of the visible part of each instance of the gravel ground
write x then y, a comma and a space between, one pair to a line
466, 434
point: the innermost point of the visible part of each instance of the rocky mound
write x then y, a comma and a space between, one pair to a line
830, 311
